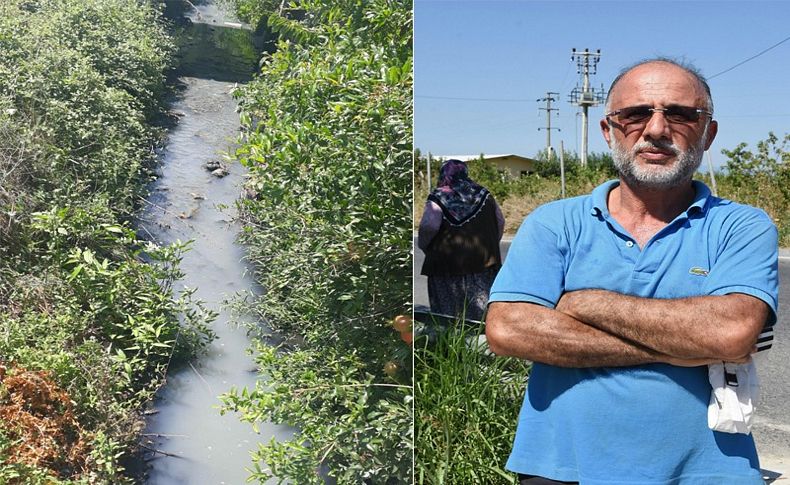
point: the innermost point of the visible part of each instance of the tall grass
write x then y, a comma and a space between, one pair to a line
466, 409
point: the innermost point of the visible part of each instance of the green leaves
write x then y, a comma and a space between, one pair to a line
761, 178
328, 146
80, 294
352, 423
82, 78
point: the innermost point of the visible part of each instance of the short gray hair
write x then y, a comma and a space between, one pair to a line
688, 67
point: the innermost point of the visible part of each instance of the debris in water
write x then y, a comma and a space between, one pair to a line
217, 168
212, 165
188, 215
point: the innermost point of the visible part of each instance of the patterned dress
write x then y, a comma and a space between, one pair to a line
459, 233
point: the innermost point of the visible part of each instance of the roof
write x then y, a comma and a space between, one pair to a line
467, 158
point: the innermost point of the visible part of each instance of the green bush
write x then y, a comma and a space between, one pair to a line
762, 179
255, 12
81, 296
352, 422
328, 147
485, 173
596, 162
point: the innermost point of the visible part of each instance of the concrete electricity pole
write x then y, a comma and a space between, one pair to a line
562, 169
548, 100
585, 97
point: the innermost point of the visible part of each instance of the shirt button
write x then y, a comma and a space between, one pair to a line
629, 244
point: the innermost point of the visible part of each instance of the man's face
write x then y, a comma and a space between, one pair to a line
658, 153
656, 175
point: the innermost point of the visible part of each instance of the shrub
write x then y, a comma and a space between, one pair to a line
486, 174
328, 147
87, 310
762, 179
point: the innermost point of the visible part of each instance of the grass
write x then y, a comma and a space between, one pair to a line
467, 404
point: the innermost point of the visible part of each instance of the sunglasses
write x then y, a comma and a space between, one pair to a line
673, 114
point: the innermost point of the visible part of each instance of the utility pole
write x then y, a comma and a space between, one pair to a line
428, 163
548, 100
562, 169
712, 175
586, 97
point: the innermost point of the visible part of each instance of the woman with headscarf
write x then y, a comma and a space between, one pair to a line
459, 233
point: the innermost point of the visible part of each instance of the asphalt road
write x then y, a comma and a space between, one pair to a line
772, 422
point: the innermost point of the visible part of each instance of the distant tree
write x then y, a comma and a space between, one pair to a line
486, 173
771, 158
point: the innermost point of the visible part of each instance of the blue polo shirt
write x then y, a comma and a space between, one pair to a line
644, 424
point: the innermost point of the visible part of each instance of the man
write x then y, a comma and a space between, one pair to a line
622, 297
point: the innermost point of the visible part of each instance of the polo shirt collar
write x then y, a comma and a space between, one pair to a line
701, 196
601, 194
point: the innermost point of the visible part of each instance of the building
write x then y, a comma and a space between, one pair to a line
516, 165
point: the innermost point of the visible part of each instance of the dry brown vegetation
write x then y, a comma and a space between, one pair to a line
38, 419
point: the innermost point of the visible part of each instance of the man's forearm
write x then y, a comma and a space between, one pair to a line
540, 334
705, 327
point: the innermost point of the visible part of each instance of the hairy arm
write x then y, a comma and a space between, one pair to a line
531, 331
705, 327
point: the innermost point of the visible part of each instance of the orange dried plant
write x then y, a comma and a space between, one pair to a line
38, 419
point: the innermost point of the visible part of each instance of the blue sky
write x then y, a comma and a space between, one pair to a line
499, 57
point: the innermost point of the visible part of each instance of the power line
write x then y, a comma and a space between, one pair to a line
749, 59
761, 115
502, 100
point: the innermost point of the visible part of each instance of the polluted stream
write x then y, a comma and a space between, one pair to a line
195, 444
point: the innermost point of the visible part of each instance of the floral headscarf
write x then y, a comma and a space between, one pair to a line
459, 197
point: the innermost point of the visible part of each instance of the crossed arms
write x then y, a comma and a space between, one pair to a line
597, 328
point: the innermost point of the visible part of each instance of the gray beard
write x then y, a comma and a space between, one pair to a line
656, 176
